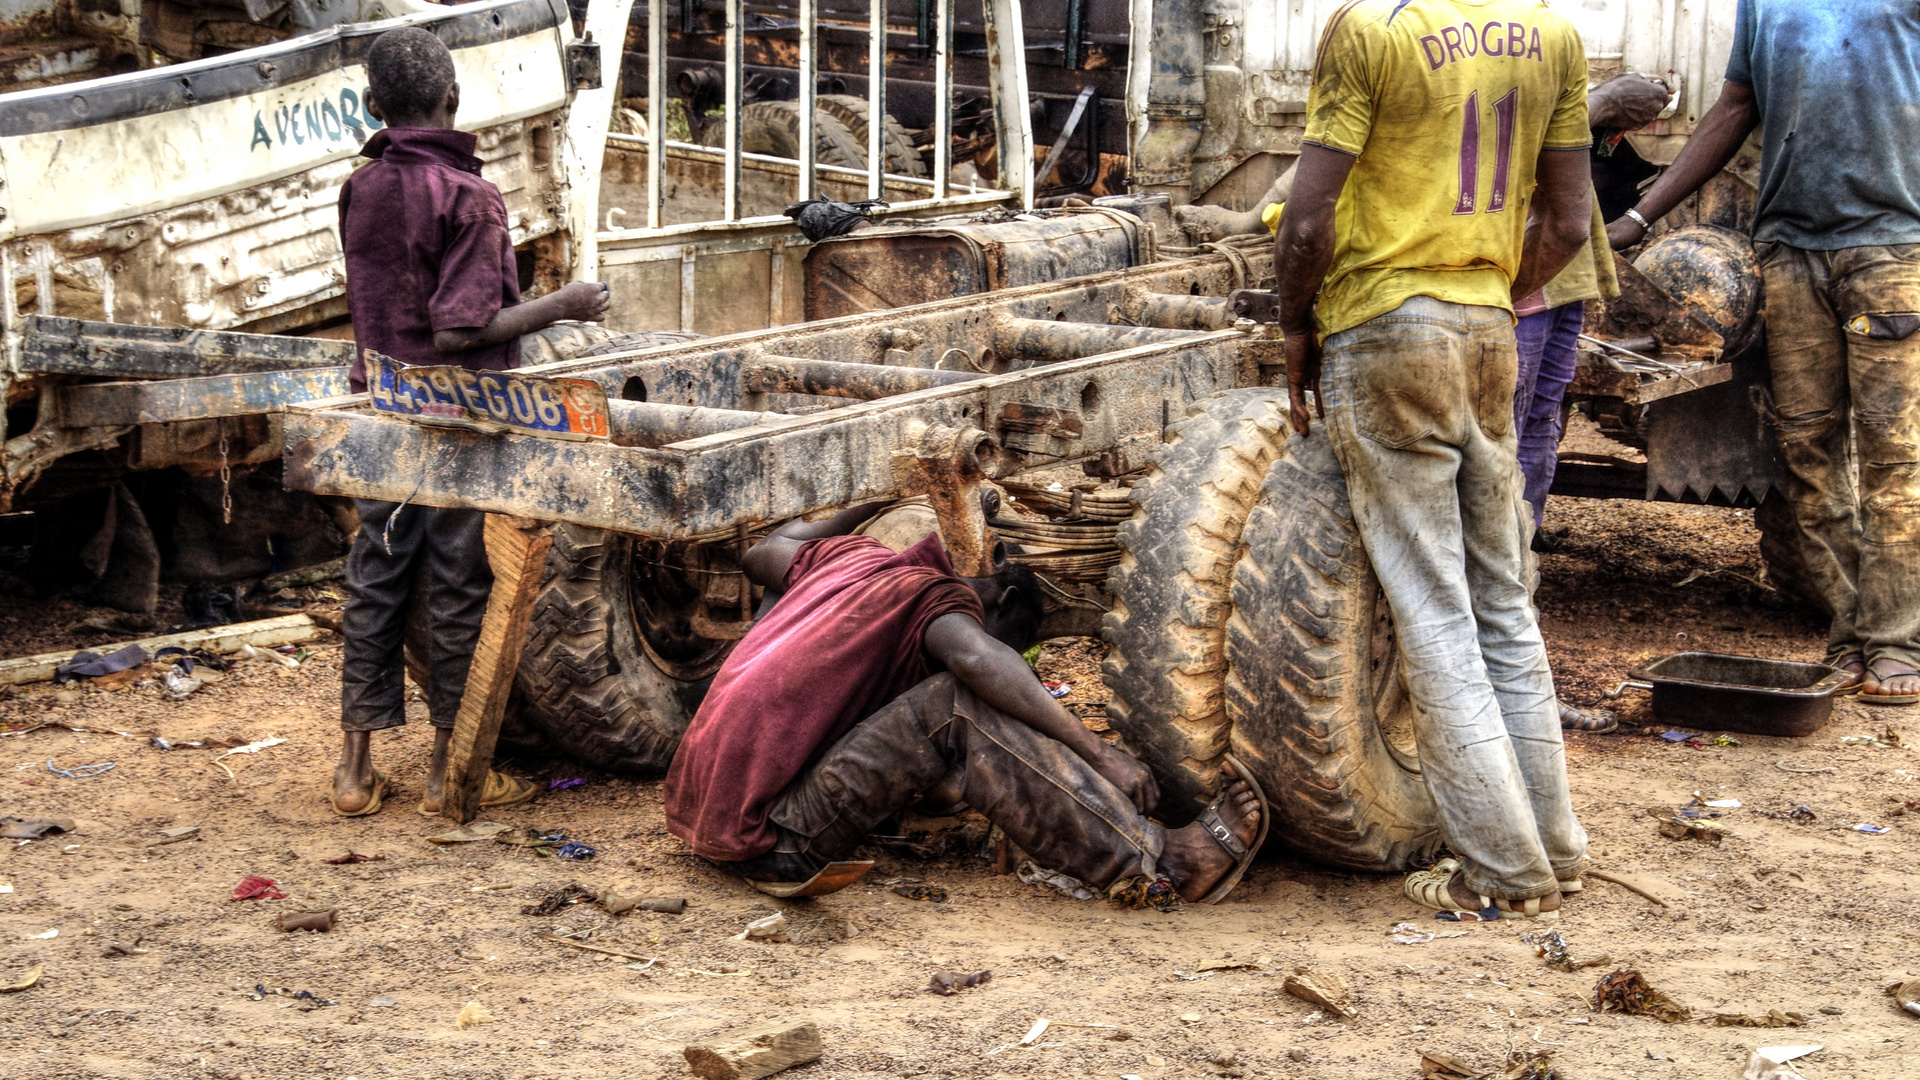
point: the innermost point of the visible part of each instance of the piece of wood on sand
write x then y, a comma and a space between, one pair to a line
517, 549
1321, 988
748, 1053
280, 630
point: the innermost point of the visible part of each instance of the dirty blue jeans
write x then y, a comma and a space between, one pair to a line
1549, 344
1420, 412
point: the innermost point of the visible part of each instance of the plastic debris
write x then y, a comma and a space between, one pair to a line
1888, 739
13, 828
929, 893
1724, 804
257, 888
252, 747
44, 935
269, 655
574, 849
565, 896
89, 665
1772, 1062
81, 772
562, 785
1630, 993
319, 922
1057, 689
1557, 953
1030, 874
1326, 991
179, 684
382, 1003
26, 979
470, 1014
1906, 995
771, 928
1676, 736
470, 832
1872, 830
947, 983
1407, 933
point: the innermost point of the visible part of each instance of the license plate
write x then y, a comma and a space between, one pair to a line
490, 401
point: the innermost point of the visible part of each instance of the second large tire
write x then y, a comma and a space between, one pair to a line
1319, 708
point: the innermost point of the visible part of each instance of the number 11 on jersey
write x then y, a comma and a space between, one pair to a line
1470, 153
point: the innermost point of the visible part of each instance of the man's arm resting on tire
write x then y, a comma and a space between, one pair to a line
1562, 218
993, 671
767, 562
1713, 143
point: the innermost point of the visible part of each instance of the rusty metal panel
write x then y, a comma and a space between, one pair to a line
110, 404
83, 347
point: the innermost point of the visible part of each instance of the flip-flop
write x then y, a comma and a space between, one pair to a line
831, 878
373, 804
1587, 721
503, 790
1216, 827
1871, 698
1429, 889
1846, 663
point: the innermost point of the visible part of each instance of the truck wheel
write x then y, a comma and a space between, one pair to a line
1314, 691
612, 670
773, 127
902, 158
1167, 664
1780, 553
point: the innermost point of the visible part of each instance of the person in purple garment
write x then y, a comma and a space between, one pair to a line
431, 279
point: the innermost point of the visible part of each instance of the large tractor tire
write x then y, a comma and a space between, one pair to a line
901, 158
1167, 665
773, 127
1319, 708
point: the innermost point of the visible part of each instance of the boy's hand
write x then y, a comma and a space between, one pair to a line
586, 301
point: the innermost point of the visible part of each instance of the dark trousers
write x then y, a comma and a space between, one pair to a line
446, 551
938, 737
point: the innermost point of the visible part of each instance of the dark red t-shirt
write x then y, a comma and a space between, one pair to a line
842, 642
427, 249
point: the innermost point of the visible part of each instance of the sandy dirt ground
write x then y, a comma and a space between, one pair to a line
1809, 917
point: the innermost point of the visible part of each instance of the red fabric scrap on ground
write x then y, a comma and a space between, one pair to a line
258, 888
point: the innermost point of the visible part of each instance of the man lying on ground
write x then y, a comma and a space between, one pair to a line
881, 678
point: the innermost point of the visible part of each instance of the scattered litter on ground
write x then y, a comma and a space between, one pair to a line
252, 747
1057, 689
1031, 874
257, 888
1772, 1062
771, 928
929, 893
1677, 736
1555, 950
1679, 828
352, 857
319, 922
470, 832
81, 772
13, 828
382, 1003
947, 983
1774, 1019
23, 981
470, 1014
269, 655
44, 935
562, 785
91, 665
1888, 739
1906, 995
1407, 933
70, 849
1630, 993
179, 685
1724, 804
1439, 1065
1873, 830
574, 849
1326, 991
306, 1000
564, 896
540, 843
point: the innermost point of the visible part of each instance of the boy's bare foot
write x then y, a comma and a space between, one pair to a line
437, 772
1194, 860
353, 779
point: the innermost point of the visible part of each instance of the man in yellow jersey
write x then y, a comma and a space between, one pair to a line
1434, 129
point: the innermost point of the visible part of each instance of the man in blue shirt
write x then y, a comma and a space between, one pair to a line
1834, 85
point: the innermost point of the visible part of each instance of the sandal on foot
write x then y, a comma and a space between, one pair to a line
373, 804
1854, 664
1588, 721
503, 790
1874, 697
1216, 826
1429, 889
830, 878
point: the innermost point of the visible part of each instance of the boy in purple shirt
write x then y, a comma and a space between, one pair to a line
431, 279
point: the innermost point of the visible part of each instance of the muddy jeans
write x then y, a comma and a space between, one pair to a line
1549, 344
1420, 412
1839, 378
938, 737
452, 547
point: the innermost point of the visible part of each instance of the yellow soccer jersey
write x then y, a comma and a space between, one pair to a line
1446, 104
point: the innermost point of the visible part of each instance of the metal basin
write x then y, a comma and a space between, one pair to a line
1749, 694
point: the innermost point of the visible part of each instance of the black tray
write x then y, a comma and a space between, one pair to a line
1748, 694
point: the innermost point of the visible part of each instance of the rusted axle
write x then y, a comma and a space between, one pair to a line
832, 378
1173, 312
1046, 341
651, 424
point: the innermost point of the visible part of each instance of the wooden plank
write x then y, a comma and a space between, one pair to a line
752, 1052
517, 549
153, 401
282, 630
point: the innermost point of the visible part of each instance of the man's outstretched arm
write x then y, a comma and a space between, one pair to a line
999, 677
1302, 251
767, 562
1712, 144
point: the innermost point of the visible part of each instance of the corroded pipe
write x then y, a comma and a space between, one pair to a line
651, 424
832, 378
1177, 312
1042, 339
